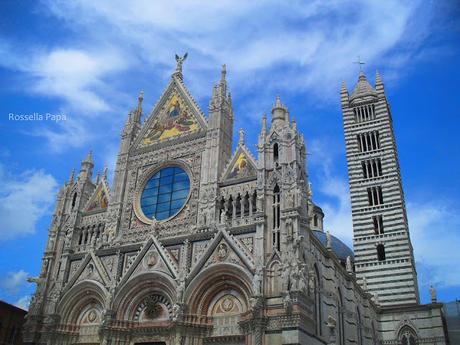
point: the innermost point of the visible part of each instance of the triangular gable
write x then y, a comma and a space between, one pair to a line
230, 251
241, 166
152, 254
99, 200
90, 269
176, 115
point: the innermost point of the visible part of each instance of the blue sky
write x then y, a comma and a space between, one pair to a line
88, 60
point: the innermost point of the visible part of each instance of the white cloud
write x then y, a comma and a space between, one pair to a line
269, 46
334, 195
23, 302
318, 40
24, 199
434, 228
13, 281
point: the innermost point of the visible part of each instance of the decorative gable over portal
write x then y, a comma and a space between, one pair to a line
99, 199
176, 115
241, 166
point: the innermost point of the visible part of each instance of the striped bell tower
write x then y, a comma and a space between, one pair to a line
383, 250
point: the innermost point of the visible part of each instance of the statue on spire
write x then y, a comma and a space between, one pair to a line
180, 61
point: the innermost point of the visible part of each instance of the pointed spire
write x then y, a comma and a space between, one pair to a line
223, 73
277, 102
87, 166
89, 158
378, 80
138, 111
264, 123
279, 113
104, 174
363, 88
241, 140
98, 177
379, 84
294, 124
72, 176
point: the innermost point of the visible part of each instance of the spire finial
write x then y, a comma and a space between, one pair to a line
89, 157
241, 141
98, 177
104, 174
179, 63
278, 102
360, 63
223, 73
140, 98
378, 79
72, 175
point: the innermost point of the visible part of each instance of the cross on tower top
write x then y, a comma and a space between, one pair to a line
360, 63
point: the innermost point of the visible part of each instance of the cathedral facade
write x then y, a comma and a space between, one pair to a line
196, 243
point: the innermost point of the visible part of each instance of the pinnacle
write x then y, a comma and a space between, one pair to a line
89, 157
278, 104
378, 79
241, 140
223, 72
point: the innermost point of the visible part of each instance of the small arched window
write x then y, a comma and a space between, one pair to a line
381, 252
407, 336
275, 153
74, 199
315, 220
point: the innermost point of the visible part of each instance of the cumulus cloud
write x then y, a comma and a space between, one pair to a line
315, 43
24, 199
23, 302
332, 192
75, 75
269, 46
435, 237
14, 281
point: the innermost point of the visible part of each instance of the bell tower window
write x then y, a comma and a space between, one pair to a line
381, 252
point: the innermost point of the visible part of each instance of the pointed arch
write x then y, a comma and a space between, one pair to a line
359, 327
340, 312
407, 336
80, 300
209, 282
318, 301
274, 278
132, 294
276, 153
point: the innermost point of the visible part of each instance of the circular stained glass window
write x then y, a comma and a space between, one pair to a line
165, 193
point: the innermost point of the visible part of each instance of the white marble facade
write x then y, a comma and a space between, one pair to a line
242, 258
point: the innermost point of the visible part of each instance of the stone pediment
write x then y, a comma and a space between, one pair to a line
242, 166
99, 200
152, 257
223, 248
91, 268
175, 116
